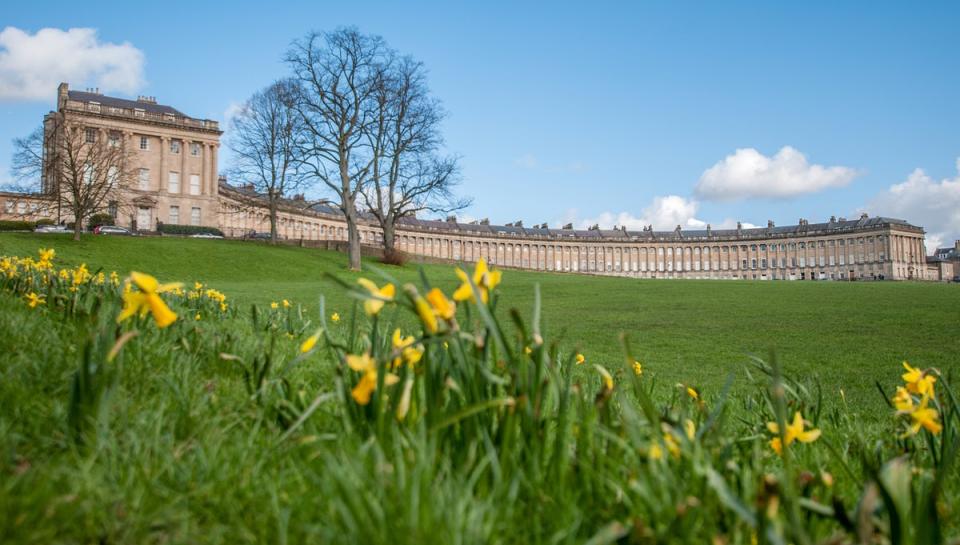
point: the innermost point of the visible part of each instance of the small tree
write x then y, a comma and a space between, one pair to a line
407, 175
337, 74
265, 138
26, 165
84, 168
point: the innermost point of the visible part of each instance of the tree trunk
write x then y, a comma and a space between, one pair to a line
273, 221
389, 237
77, 228
353, 244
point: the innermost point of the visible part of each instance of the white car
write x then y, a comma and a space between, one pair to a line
52, 229
205, 235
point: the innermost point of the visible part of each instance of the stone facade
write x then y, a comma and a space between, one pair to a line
179, 154
174, 157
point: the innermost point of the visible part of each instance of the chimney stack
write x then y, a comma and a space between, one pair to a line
568, 226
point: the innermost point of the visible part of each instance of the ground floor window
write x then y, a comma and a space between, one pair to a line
194, 216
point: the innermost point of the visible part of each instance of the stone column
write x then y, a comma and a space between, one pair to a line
184, 177
161, 179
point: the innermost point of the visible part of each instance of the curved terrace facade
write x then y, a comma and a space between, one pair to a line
840, 249
178, 184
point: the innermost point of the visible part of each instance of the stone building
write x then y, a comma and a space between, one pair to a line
178, 184
174, 157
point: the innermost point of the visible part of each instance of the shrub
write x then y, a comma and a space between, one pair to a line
45, 221
16, 225
173, 229
394, 257
97, 220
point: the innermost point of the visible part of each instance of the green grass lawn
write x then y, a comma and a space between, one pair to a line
220, 431
849, 335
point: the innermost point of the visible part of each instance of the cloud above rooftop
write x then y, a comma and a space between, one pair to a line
32, 65
749, 174
934, 204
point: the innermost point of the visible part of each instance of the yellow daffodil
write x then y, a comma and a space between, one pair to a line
670, 441
427, 316
274, 305
197, 317
46, 259
223, 307
408, 353
443, 307
286, 304
689, 429
655, 452
33, 300
335, 317
147, 299
197, 286
378, 296
693, 393
918, 381
485, 280
637, 368
903, 401
527, 350
579, 359
368, 380
605, 377
793, 432
114, 278
310, 342
925, 417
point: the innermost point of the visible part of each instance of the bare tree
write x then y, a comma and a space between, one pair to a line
84, 168
407, 175
26, 165
265, 139
337, 74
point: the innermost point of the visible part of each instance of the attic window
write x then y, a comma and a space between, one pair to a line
139, 112
94, 107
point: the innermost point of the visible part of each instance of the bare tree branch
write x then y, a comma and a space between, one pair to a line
85, 168
407, 176
265, 139
337, 74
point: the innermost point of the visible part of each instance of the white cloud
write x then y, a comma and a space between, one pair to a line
922, 201
233, 110
750, 174
32, 65
664, 213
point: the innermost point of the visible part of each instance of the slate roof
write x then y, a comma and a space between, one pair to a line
602, 234
114, 102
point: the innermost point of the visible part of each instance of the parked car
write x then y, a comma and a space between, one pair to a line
260, 236
205, 235
113, 230
52, 229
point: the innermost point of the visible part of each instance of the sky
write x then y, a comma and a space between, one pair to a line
662, 113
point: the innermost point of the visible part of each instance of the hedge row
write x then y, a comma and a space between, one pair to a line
14, 225
173, 229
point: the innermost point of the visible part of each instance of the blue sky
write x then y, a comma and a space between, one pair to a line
604, 112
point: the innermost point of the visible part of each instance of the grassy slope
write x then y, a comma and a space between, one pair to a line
848, 334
